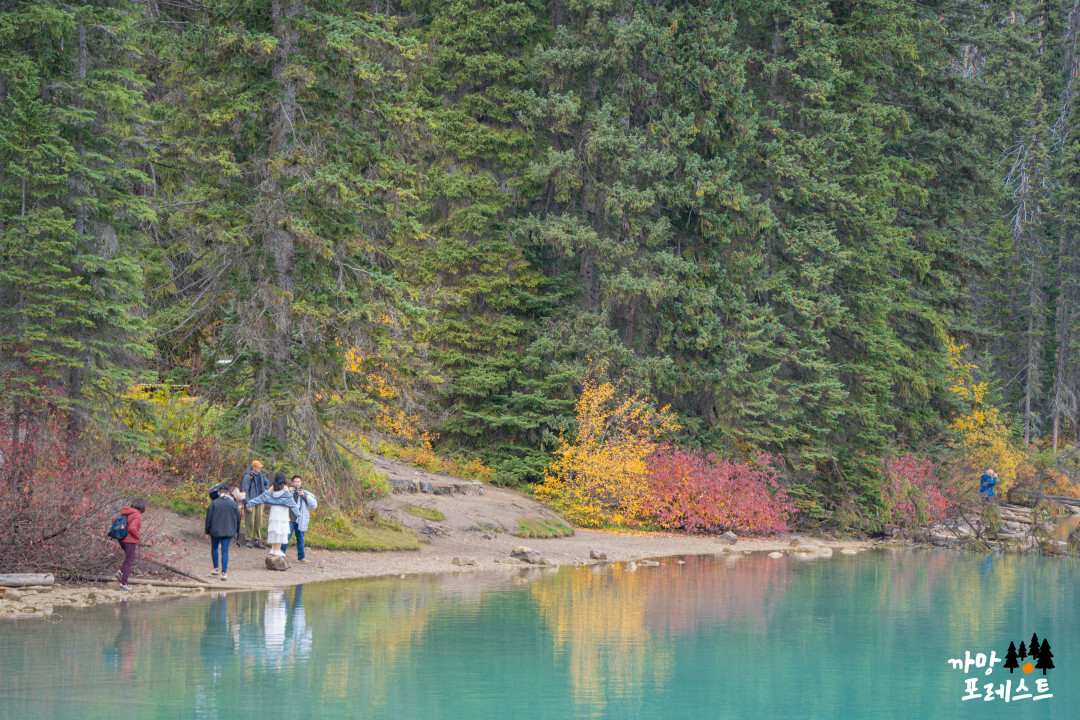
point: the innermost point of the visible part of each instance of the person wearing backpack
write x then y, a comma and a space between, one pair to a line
222, 525
129, 543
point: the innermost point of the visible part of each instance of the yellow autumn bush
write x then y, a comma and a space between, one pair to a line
980, 438
600, 477
381, 382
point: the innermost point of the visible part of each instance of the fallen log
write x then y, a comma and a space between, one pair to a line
136, 581
173, 569
24, 579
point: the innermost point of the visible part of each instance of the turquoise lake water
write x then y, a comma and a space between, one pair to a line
866, 636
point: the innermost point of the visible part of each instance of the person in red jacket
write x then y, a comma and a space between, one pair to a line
130, 543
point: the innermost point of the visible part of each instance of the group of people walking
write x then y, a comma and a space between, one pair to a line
289, 514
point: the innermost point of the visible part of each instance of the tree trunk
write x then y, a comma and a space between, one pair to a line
1061, 330
1030, 377
278, 240
73, 380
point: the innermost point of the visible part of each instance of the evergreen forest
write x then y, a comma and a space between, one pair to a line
835, 232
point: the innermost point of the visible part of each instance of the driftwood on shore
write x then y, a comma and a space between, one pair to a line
174, 569
136, 581
1017, 528
25, 579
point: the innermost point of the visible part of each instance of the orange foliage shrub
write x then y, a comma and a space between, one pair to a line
601, 477
382, 384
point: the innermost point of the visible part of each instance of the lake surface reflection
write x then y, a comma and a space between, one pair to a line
867, 636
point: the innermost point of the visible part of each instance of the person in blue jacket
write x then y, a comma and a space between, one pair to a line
298, 524
987, 483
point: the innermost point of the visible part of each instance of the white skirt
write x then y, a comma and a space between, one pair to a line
277, 529
276, 534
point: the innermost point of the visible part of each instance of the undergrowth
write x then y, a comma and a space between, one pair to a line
335, 531
427, 513
425, 458
538, 527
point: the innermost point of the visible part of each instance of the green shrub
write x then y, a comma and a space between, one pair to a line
335, 531
427, 513
538, 527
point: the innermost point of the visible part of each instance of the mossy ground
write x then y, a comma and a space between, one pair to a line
538, 527
427, 513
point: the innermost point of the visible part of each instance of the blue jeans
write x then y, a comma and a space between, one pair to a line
293, 528
223, 543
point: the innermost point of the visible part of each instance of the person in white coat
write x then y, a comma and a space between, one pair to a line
299, 523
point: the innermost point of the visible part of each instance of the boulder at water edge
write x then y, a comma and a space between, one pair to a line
527, 554
276, 562
728, 538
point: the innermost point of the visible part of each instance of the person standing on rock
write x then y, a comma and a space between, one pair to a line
987, 483
222, 524
253, 485
299, 522
281, 502
130, 542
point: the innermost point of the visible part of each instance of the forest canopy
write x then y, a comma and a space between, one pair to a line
830, 232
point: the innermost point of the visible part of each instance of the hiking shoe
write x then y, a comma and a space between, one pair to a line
119, 576
259, 545
123, 587
303, 560
214, 572
224, 577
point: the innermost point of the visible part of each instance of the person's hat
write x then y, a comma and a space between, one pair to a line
256, 464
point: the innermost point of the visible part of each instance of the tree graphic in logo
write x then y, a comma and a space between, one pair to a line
1046, 658
1010, 657
1038, 651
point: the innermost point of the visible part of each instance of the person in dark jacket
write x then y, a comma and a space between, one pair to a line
254, 484
987, 483
222, 524
130, 542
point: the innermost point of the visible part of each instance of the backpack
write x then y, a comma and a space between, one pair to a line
118, 529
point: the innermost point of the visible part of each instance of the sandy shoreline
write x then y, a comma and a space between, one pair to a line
248, 572
472, 536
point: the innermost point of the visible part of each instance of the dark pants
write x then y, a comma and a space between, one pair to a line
129, 560
294, 528
223, 543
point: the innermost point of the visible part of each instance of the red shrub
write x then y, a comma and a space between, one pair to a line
58, 496
201, 461
911, 491
696, 492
